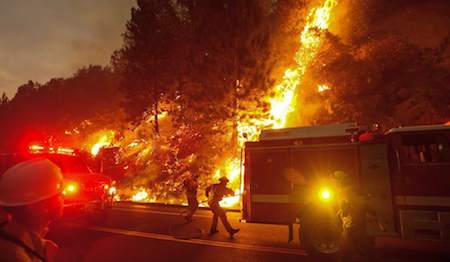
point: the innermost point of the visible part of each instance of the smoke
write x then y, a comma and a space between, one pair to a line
422, 23
52, 38
380, 60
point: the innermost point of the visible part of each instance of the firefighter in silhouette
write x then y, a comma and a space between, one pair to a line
190, 185
30, 194
215, 194
354, 213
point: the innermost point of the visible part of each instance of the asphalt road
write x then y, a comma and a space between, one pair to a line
134, 232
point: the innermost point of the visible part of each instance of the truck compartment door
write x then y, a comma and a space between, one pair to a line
267, 189
376, 183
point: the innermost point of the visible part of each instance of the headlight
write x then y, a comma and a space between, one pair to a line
70, 188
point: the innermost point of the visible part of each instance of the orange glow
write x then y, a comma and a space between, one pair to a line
70, 188
230, 169
322, 88
102, 139
282, 102
231, 201
142, 195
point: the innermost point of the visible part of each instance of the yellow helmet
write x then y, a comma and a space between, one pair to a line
30, 182
224, 179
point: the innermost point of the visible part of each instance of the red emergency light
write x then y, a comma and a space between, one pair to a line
40, 149
36, 148
65, 151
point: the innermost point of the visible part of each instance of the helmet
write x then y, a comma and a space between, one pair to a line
30, 182
224, 179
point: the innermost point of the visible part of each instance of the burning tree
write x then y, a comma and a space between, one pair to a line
209, 81
221, 92
383, 78
81, 104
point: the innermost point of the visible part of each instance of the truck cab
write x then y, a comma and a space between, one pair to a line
85, 192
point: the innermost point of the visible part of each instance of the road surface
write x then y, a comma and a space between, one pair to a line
135, 232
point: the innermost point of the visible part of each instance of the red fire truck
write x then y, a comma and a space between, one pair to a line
85, 192
403, 174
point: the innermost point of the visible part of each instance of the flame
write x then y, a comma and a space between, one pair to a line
141, 195
322, 88
161, 116
230, 169
282, 101
231, 201
104, 139
282, 104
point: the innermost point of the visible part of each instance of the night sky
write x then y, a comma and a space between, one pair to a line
42, 39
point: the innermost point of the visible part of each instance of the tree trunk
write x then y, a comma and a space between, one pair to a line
236, 81
155, 112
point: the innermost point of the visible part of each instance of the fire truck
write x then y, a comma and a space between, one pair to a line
85, 193
404, 176
109, 161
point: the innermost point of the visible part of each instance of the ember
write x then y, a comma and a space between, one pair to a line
322, 88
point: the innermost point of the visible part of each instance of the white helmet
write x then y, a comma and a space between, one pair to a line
30, 182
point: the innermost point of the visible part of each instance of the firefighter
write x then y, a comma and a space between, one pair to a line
353, 212
191, 186
30, 194
215, 193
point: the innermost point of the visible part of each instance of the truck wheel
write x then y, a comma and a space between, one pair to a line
320, 236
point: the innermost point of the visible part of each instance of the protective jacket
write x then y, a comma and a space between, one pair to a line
216, 192
18, 244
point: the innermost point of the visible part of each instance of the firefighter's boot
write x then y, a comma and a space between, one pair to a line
233, 231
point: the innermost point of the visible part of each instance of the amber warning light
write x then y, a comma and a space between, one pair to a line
70, 189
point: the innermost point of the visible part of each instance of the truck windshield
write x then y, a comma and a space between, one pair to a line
69, 164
